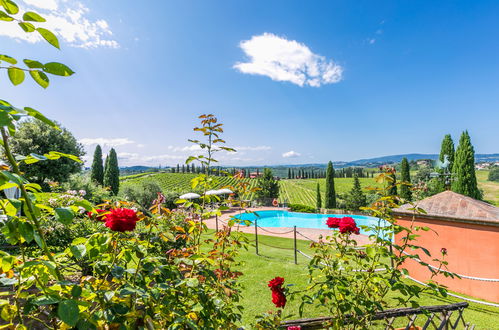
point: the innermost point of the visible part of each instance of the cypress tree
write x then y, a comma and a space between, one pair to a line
464, 169
447, 149
289, 173
319, 199
355, 198
330, 202
178, 168
392, 184
97, 171
405, 176
112, 172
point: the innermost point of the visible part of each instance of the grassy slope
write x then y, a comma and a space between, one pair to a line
258, 270
490, 188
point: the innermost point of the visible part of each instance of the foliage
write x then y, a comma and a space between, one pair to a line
269, 187
319, 199
355, 198
330, 202
301, 208
494, 174
112, 172
37, 137
405, 177
110, 279
143, 194
82, 182
464, 169
97, 169
447, 149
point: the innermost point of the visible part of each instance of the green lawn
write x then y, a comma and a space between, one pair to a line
271, 262
490, 188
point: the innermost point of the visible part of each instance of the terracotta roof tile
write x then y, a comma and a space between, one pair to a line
452, 205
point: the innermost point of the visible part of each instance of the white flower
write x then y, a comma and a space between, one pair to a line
82, 192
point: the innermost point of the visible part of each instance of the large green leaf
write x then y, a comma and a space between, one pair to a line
5, 17
26, 230
64, 215
16, 75
49, 36
27, 27
68, 312
58, 69
8, 59
40, 78
32, 64
33, 17
38, 115
10, 6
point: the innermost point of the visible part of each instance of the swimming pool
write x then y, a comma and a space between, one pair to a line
279, 219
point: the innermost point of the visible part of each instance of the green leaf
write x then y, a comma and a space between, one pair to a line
76, 291
64, 215
16, 75
68, 312
49, 36
27, 27
78, 251
33, 17
32, 64
40, 78
38, 115
10, 6
26, 230
57, 69
8, 59
85, 204
5, 17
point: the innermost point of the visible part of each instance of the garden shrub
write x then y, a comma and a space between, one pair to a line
494, 174
301, 208
143, 193
81, 182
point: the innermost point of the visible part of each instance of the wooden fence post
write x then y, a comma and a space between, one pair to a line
296, 250
216, 222
256, 236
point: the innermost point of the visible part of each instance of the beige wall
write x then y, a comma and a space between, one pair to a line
473, 250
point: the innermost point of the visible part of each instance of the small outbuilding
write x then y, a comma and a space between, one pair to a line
469, 231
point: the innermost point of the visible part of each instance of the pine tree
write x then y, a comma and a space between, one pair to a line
405, 176
319, 199
97, 171
330, 202
464, 169
355, 198
112, 172
447, 149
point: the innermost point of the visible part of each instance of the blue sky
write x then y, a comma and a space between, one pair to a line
293, 81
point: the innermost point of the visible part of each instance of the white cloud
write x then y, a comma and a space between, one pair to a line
106, 142
287, 60
68, 20
291, 154
255, 148
43, 4
372, 41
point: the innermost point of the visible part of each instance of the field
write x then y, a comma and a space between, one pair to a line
490, 188
179, 182
271, 262
305, 191
300, 191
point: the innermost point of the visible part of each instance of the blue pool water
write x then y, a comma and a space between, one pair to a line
277, 219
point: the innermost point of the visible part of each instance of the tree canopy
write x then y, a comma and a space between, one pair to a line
97, 170
35, 136
269, 187
112, 172
464, 178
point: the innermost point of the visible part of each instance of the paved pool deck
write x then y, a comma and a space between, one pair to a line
287, 232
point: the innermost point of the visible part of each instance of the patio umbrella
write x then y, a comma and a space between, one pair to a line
212, 192
225, 191
189, 196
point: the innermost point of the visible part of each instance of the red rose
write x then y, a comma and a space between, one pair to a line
276, 283
333, 222
294, 327
278, 298
348, 226
121, 220
443, 251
